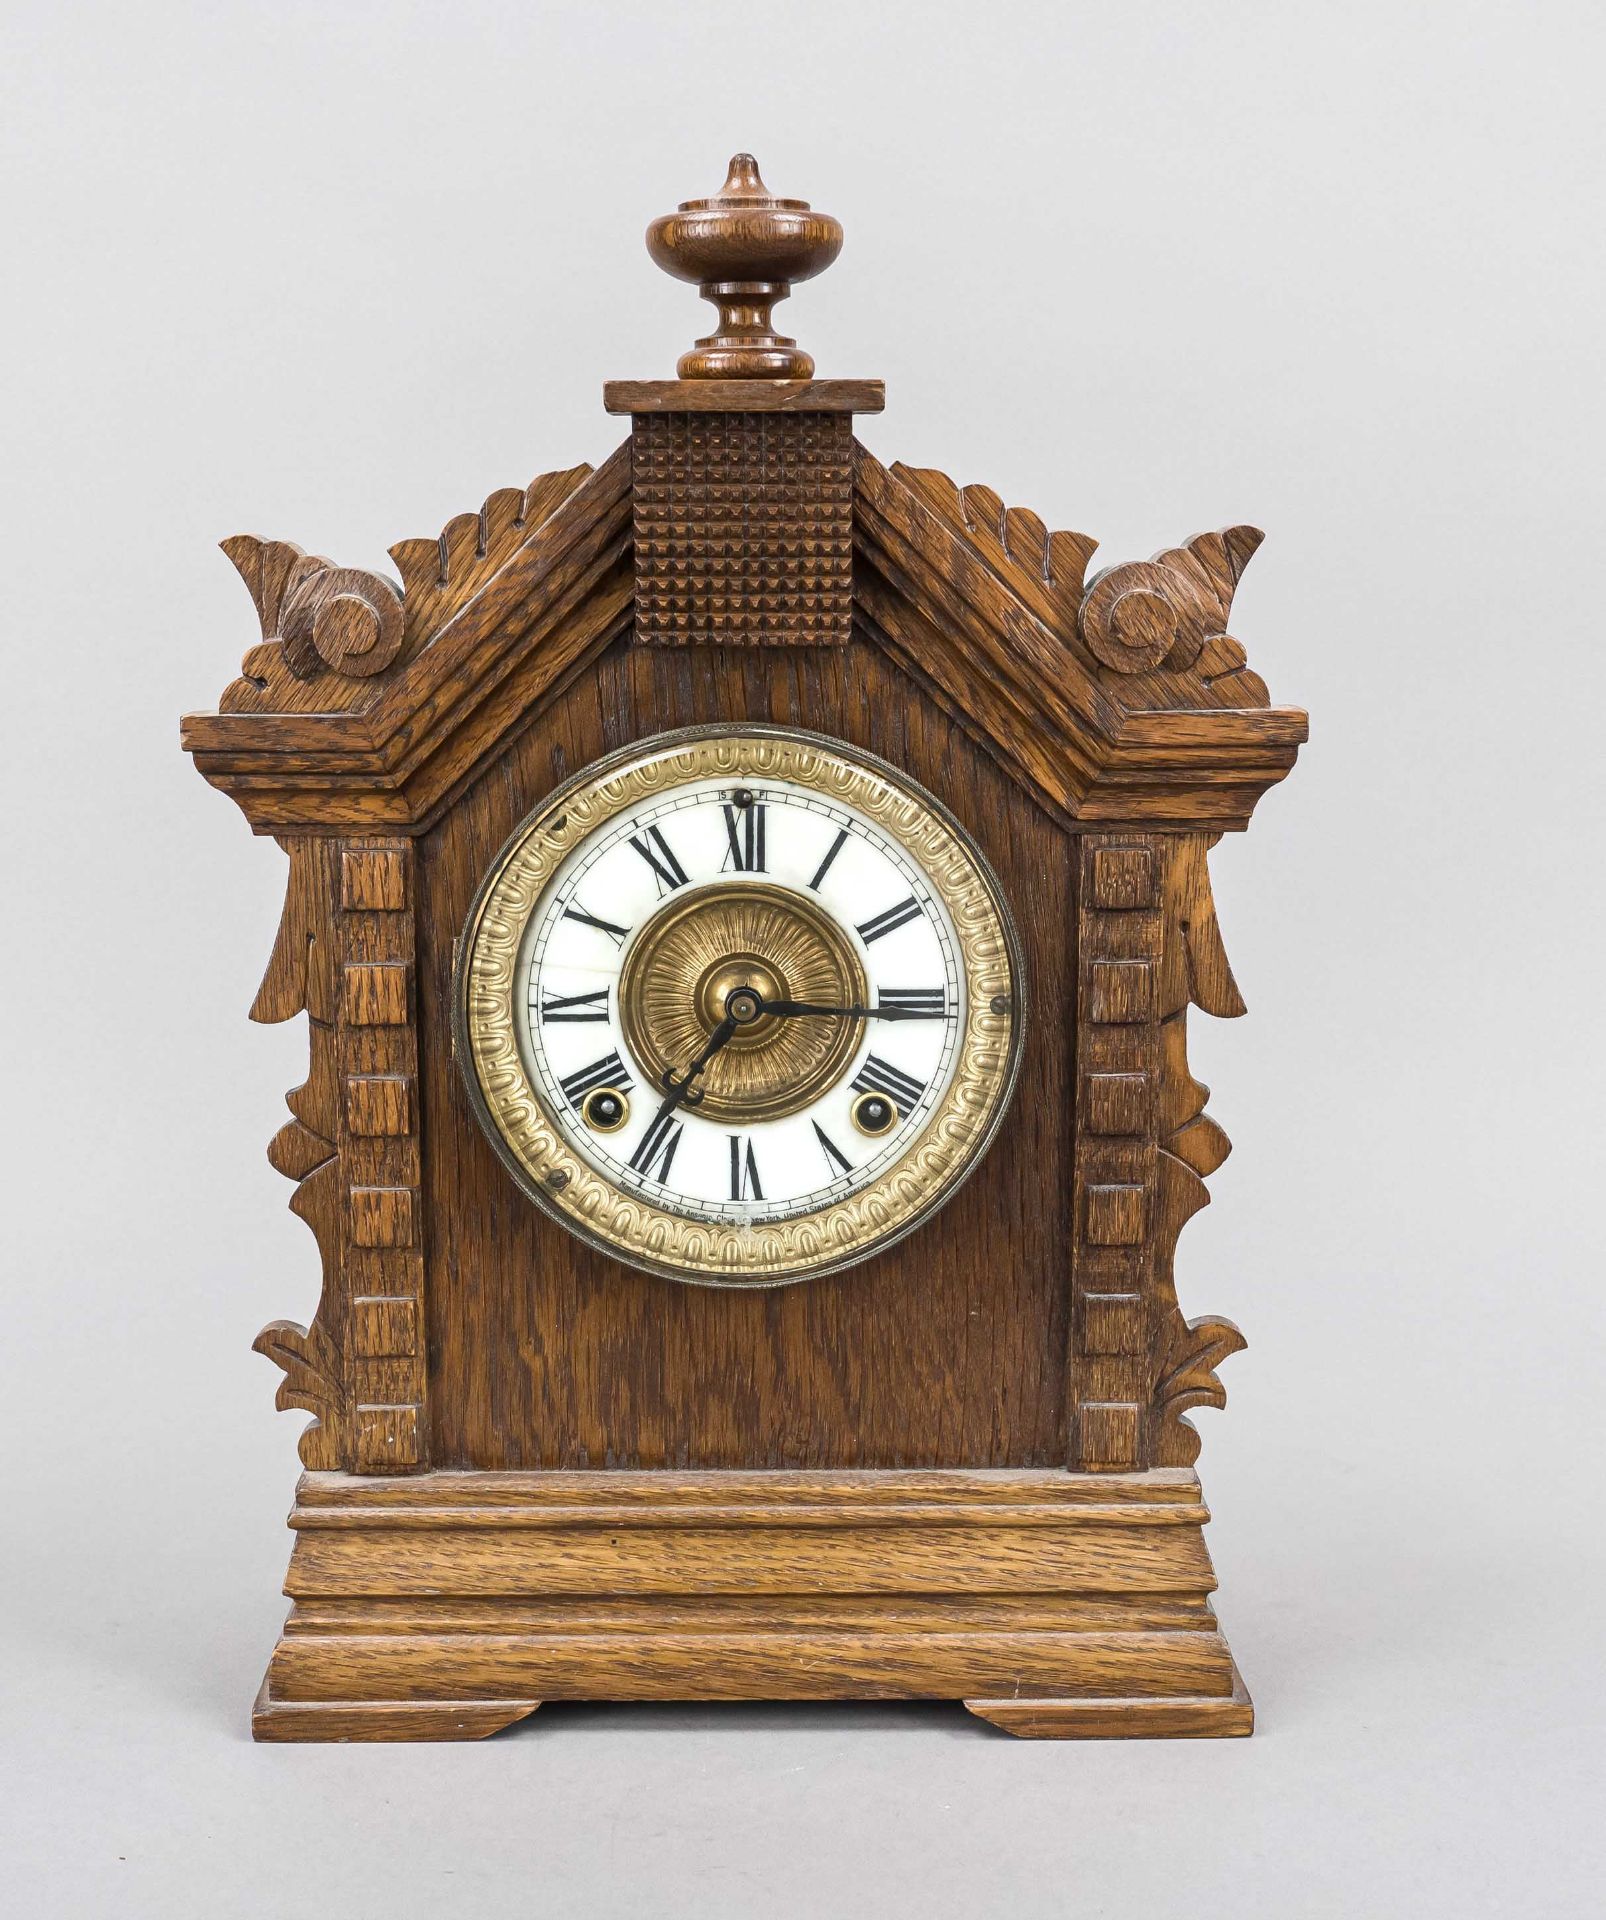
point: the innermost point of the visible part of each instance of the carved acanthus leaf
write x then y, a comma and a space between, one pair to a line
300, 971
1193, 972
1192, 1352
271, 570
301, 977
312, 1381
1159, 627
1195, 967
325, 629
295, 1150
331, 635
1185, 1128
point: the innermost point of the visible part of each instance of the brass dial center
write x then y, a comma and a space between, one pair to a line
741, 974
698, 950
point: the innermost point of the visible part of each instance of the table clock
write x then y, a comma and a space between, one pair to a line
746, 900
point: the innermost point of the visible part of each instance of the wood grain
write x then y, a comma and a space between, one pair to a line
744, 396
743, 529
1189, 1146
959, 1470
490, 1592
985, 607
1148, 946
441, 576
948, 1349
307, 1720
743, 247
976, 606
326, 630
1118, 935
381, 1155
1204, 1717
344, 954
300, 977
397, 755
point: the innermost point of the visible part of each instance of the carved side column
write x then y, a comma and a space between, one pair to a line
344, 955
302, 977
379, 1150
1147, 949
1119, 944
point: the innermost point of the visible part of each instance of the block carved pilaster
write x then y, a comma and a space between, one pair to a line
1120, 940
380, 1150
345, 956
1148, 948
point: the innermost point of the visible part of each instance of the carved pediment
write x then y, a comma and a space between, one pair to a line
1116, 698
496, 612
333, 637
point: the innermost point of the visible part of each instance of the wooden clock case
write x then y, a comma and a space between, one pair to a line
960, 1470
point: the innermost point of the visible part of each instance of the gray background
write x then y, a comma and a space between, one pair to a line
331, 273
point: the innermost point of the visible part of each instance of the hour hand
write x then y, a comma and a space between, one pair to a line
679, 1085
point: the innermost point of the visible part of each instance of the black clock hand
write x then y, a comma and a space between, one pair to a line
679, 1085
789, 1009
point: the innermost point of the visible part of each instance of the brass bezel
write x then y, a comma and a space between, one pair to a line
626, 1225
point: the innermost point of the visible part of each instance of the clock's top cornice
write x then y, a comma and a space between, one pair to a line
1119, 698
744, 396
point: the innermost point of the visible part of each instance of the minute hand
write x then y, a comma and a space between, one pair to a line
786, 1009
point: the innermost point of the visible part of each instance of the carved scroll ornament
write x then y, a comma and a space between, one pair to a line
319, 621
1170, 613
330, 632
1153, 632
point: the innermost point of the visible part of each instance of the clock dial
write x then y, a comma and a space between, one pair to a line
741, 1005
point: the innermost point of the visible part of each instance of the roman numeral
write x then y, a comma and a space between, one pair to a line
618, 935
744, 1171
660, 856
928, 1002
744, 829
834, 1156
901, 1088
609, 1071
893, 918
575, 1006
656, 1154
824, 867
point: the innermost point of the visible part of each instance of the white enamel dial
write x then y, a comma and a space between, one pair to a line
721, 834
740, 1005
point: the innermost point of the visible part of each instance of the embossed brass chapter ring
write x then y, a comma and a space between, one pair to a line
740, 1005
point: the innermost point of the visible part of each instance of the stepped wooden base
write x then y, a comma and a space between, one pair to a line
1165, 1717
446, 1606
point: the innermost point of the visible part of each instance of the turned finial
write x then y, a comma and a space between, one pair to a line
744, 248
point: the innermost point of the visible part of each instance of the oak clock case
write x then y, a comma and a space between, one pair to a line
748, 903
740, 1006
